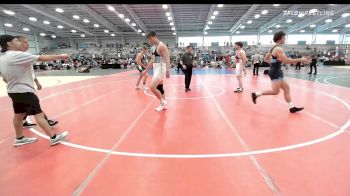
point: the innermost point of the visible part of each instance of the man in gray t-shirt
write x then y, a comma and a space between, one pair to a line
24, 47
187, 64
16, 68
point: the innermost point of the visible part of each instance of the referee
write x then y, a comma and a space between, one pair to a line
187, 64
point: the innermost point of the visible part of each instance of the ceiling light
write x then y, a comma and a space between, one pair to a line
220, 5
60, 26
170, 18
216, 13
133, 24
257, 16
25, 29
73, 31
328, 20
46, 22
96, 25
289, 20
207, 27
237, 32
348, 25
139, 30
249, 22
173, 28
53, 36
121, 15
270, 31
174, 33
212, 17
86, 20
301, 15
167, 14
9, 12
8, 24
32, 19
127, 20
264, 12
82, 35
205, 33
278, 26
276, 5
313, 25
143, 34
313, 11
171, 24
112, 34
334, 30
59, 10
42, 34
345, 15
76, 17
242, 27
111, 8
210, 22
106, 31
302, 31
165, 6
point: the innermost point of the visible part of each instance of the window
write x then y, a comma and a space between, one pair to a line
185, 41
266, 39
221, 39
251, 39
294, 38
322, 38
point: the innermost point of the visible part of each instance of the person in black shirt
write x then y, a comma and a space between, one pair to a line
187, 64
313, 64
298, 65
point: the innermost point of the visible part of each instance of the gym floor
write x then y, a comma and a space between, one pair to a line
208, 142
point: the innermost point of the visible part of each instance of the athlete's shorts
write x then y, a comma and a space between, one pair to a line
238, 69
276, 75
140, 68
25, 103
159, 71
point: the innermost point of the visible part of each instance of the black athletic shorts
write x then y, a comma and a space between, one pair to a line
276, 74
25, 103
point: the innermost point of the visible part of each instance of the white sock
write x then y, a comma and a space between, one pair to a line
291, 105
258, 94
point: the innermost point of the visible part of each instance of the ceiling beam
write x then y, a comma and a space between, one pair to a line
244, 17
18, 27
278, 18
314, 19
211, 9
99, 18
138, 21
173, 17
37, 24
42, 10
333, 24
123, 19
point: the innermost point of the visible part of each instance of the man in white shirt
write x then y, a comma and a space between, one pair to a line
16, 68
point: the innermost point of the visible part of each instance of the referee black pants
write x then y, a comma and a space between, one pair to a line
315, 66
188, 75
256, 67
